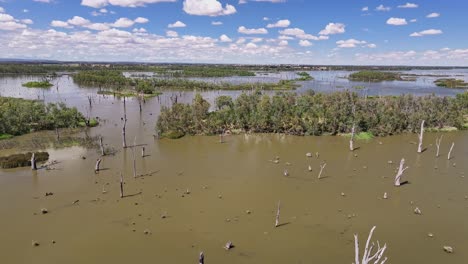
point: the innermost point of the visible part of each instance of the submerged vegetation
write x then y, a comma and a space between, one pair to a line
19, 116
304, 76
312, 114
35, 84
451, 83
121, 84
375, 76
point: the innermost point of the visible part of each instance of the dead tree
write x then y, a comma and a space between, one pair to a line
57, 133
102, 147
421, 137
368, 256
121, 186
278, 214
438, 141
98, 163
134, 160
351, 141
322, 166
450, 151
124, 140
201, 258
143, 152
221, 138
400, 172
90, 101
33, 162
139, 102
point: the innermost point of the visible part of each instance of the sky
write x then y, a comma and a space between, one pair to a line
331, 32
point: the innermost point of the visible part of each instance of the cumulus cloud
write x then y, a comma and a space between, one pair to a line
383, 8
177, 24
224, 38
207, 8
300, 34
251, 31
433, 15
2, 10
123, 22
353, 43
172, 34
141, 20
397, 21
280, 24
413, 20
365, 9
426, 33
43, 1
333, 28
123, 3
305, 43
58, 23
408, 5
216, 23
283, 43
9, 23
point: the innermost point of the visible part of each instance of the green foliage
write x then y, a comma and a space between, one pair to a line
206, 71
41, 84
22, 160
18, 116
451, 83
314, 114
304, 76
375, 76
5, 136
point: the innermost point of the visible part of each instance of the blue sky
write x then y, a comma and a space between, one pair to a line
378, 32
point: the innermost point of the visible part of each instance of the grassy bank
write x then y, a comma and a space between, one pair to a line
374, 76
35, 84
451, 83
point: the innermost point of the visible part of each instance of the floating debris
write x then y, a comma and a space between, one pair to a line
448, 249
385, 196
35, 243
44, 211
309, 155
417, 211
228, 245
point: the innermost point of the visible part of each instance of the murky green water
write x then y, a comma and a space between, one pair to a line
225, 181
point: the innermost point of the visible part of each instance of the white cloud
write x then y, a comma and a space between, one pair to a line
397, 21
224, 38
58, 23
301, 34
365, 9
305, 43
123, 22
2, 10
139, 30
43, 1
250, 31
123, 3
433, 15
350, 43
266, 18
172, 34
251, 46
426, 32
408, 5
413, 20
78, 21
11, 25
207, 8
280, 24
27, 21
216, 23
383, 8
372, 46
283, 43
177, 24
24, 10
141, 20
241, 2
333, 28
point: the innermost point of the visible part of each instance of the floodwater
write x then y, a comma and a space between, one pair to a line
225, 181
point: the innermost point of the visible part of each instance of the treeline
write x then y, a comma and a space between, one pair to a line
204, 71
116, 80
19, 116
312, 114
375, 76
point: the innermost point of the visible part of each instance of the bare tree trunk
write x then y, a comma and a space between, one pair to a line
221, 138
98, 163
368, 256
421, 137
33, 162
90, 102
121, 186
201, 258
102, 147
400, 172
143, 152
351, 141
450, 151
438, 141
57, 133
278, 214
124, 140
134, 160
322, 166
139, 102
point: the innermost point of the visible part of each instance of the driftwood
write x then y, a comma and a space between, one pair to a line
400, 172
98, 163
438, 141
121, 186
101, 145
351, 141
201, 258
322, 166
450, 151
278, 214
33, 162
368, 256
421, 137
